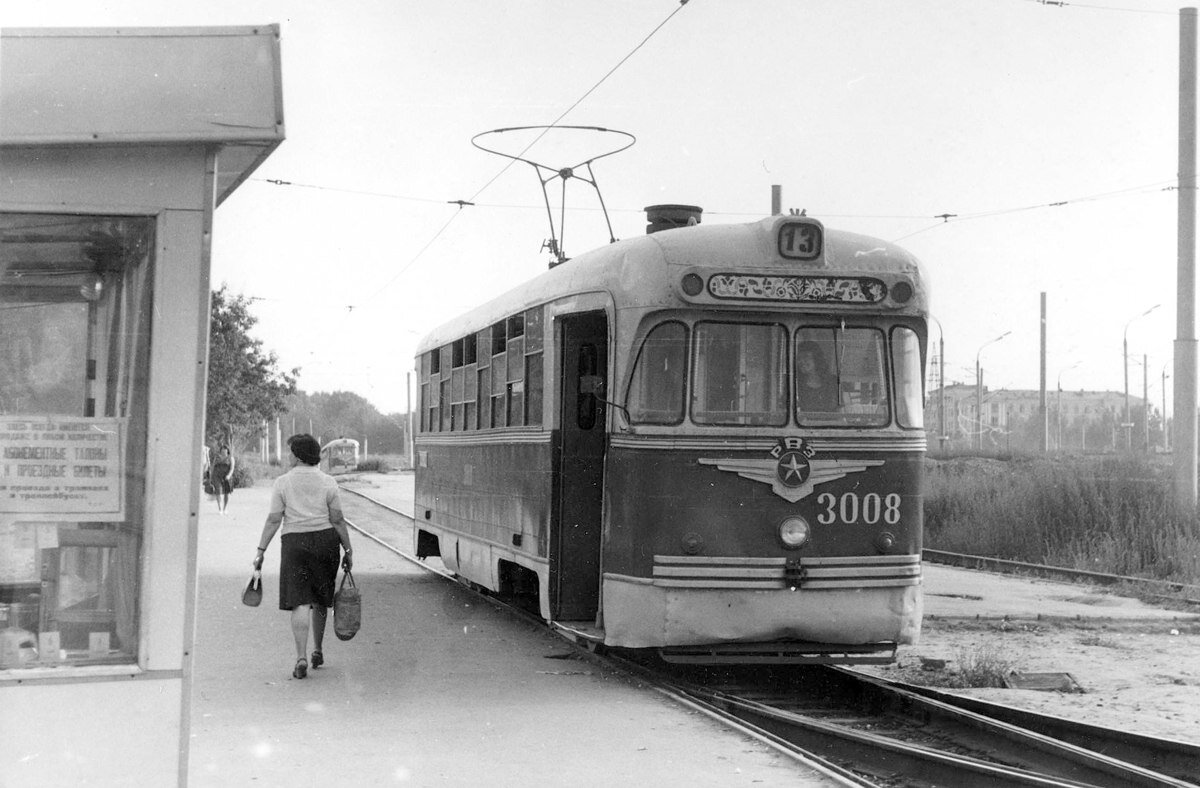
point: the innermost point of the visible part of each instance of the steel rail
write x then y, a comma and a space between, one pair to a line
1169, 756
1053, 572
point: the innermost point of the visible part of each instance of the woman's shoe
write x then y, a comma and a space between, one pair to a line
301, 669
318, 659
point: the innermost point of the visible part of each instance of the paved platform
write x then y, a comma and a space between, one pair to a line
435, 690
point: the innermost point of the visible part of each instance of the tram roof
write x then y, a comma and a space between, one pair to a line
636, 272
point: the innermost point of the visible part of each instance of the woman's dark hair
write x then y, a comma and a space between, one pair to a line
305, 448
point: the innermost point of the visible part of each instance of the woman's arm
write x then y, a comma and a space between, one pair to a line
274, 520
339, 524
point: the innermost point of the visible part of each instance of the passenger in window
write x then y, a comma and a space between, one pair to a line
306, 503
221, 476
816, 386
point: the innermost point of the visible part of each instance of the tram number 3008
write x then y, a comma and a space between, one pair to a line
851, 508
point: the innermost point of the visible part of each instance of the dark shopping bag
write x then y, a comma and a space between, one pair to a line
252, 594
347, 608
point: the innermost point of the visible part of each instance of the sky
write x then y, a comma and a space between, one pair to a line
1048, 133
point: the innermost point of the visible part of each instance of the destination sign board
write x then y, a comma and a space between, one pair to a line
800, 289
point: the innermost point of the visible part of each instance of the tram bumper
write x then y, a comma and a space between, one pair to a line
652, 613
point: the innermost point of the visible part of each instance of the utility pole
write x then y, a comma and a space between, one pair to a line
1145, 404
776, 200
1165, 423
1184, 457
1043, 410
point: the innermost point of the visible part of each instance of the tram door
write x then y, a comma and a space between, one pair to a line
575, 537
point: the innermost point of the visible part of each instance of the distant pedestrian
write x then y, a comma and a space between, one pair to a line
206, 467
305, 502
221, 476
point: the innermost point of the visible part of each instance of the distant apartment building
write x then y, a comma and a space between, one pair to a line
1009, 420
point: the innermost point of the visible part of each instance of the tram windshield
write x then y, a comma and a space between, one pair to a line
656, 391
840, 377
740, 375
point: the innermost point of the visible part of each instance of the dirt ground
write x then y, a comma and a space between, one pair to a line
1133, 675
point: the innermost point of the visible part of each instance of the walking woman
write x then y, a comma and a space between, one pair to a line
305, 502
221, 477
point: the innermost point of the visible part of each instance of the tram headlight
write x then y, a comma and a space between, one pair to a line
793, 532
692, 284
885, 541
902, 292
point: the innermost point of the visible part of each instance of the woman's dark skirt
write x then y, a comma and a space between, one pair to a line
308, 568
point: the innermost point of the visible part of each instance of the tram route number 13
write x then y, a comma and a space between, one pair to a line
800, 241
852, 508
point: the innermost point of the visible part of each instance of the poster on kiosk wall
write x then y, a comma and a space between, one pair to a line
62, 469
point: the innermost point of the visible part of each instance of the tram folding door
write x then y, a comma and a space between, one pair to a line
579, 481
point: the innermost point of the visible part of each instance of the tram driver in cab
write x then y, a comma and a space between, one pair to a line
816, 386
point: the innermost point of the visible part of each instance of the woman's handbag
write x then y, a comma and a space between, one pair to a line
347, 608
252, 594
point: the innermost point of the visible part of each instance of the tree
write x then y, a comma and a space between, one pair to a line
339, 414
245, 387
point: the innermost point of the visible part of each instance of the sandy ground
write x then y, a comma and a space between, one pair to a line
1133, 674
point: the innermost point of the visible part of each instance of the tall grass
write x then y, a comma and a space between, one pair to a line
1113, 515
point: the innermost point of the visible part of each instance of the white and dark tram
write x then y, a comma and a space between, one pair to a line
707, 441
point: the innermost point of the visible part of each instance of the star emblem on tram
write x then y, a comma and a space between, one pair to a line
791, 470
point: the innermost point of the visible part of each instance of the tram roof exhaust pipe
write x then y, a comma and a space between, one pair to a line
668, 217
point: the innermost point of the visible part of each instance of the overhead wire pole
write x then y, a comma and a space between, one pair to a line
1042, 408
1184, 457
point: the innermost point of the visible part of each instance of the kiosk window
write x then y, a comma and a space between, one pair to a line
75, 306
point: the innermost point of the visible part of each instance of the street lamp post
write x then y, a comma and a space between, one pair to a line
979, 390
941, 384
1127, 425
1165, 423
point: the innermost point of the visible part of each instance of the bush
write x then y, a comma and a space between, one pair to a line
242, 476
377, 464
1112, 515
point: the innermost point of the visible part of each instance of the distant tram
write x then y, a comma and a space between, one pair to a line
339, 455
706, 441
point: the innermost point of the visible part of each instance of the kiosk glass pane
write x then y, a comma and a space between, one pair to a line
75, 305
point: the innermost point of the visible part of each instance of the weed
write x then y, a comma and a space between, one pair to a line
1109, 515
982, 666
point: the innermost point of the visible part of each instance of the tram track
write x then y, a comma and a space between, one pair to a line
863, 731
1179, 592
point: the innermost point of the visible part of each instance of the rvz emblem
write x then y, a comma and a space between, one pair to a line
791, 456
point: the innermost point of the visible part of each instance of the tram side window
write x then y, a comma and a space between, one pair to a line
75, 307
740, 374
483, 392
656, 388
515, 389
840, 377
906, 361
533, 389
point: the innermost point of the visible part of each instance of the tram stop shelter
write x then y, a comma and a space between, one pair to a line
116, 146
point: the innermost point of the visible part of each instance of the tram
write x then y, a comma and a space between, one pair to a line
705, 441
339, 455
